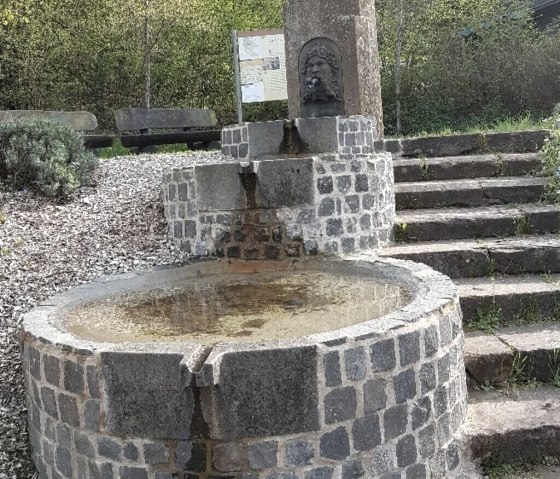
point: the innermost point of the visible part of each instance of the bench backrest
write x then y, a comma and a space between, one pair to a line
128, 119
78, 120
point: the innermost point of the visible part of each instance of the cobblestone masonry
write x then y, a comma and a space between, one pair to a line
343, 135
382, 399
349, 207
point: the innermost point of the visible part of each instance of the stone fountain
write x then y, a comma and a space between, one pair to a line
287, 350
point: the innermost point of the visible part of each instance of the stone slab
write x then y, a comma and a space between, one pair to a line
519, 299
265, 138
318, 134
78, 120
434, 194
521, 428
219, 187
285, 183
249, 385
468, 166
521, 141
537, 342
486, 256
146, 395
487, 359
130, 119
480, 222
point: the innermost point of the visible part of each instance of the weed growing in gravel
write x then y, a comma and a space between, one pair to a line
493, 467
521, 225
3, 217
424, 167
551, 168
487, 319
554, 367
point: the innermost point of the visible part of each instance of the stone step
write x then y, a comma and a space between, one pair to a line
516, 427
506, 300
480, 192
470, 166
485, 256
482, 222
514, 353
454, 145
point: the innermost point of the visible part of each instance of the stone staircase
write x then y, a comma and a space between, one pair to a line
470, 207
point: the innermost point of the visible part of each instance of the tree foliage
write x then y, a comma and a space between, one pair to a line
448, 62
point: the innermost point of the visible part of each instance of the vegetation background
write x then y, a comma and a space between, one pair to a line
446, 64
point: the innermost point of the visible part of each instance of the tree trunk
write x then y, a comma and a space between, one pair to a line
147, 57
398, 75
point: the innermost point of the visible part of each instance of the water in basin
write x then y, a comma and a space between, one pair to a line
237, 307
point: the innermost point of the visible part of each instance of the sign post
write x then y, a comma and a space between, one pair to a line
260, 67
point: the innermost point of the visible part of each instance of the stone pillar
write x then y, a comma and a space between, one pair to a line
351, 25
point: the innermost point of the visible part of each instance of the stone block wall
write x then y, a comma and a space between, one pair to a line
349, 206
384, 399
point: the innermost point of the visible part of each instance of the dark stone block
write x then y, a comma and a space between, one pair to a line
306, 216
395, 421
64, 436
444, 368
431, 342
417, 471
68, 410
271, 252
146, 395
243, 150
286, 401
405, 385
427, 441
375, 395
185, 451
320, 473
51, 368
127, 472
108, 448
406, 451
183, 192
34, 362
277, 234
335, 444
444, 428
353, 469
334, 227
453, 456
421, 412
344, 183
299, 452
190, 229
352, 203
155, 453
348, 245
92, 415
340, 405
227, 457
355, 362
331, 363
325, 185
427, 378
409, 348
92, 382
130, 451
83, 445
326, 207
365, 222
366, 433
362, 184
234, 252
441, 403
49, 401
281, 475
177, 229
64, 461
383, 357
368, 202
263, 455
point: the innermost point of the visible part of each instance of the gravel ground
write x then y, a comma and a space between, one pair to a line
47, 247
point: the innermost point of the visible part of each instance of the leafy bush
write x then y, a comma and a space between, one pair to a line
45, 156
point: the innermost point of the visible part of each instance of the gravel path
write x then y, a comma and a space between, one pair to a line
47, 247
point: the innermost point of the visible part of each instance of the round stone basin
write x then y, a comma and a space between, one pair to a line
299, 369
238, 307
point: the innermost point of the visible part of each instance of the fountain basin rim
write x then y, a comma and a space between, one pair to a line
431, 294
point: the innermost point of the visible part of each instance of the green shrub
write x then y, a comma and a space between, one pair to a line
45, 156
551, 167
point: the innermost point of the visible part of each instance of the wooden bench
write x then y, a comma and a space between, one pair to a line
194, 127
81, 121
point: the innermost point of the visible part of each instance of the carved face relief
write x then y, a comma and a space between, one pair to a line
321, 79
